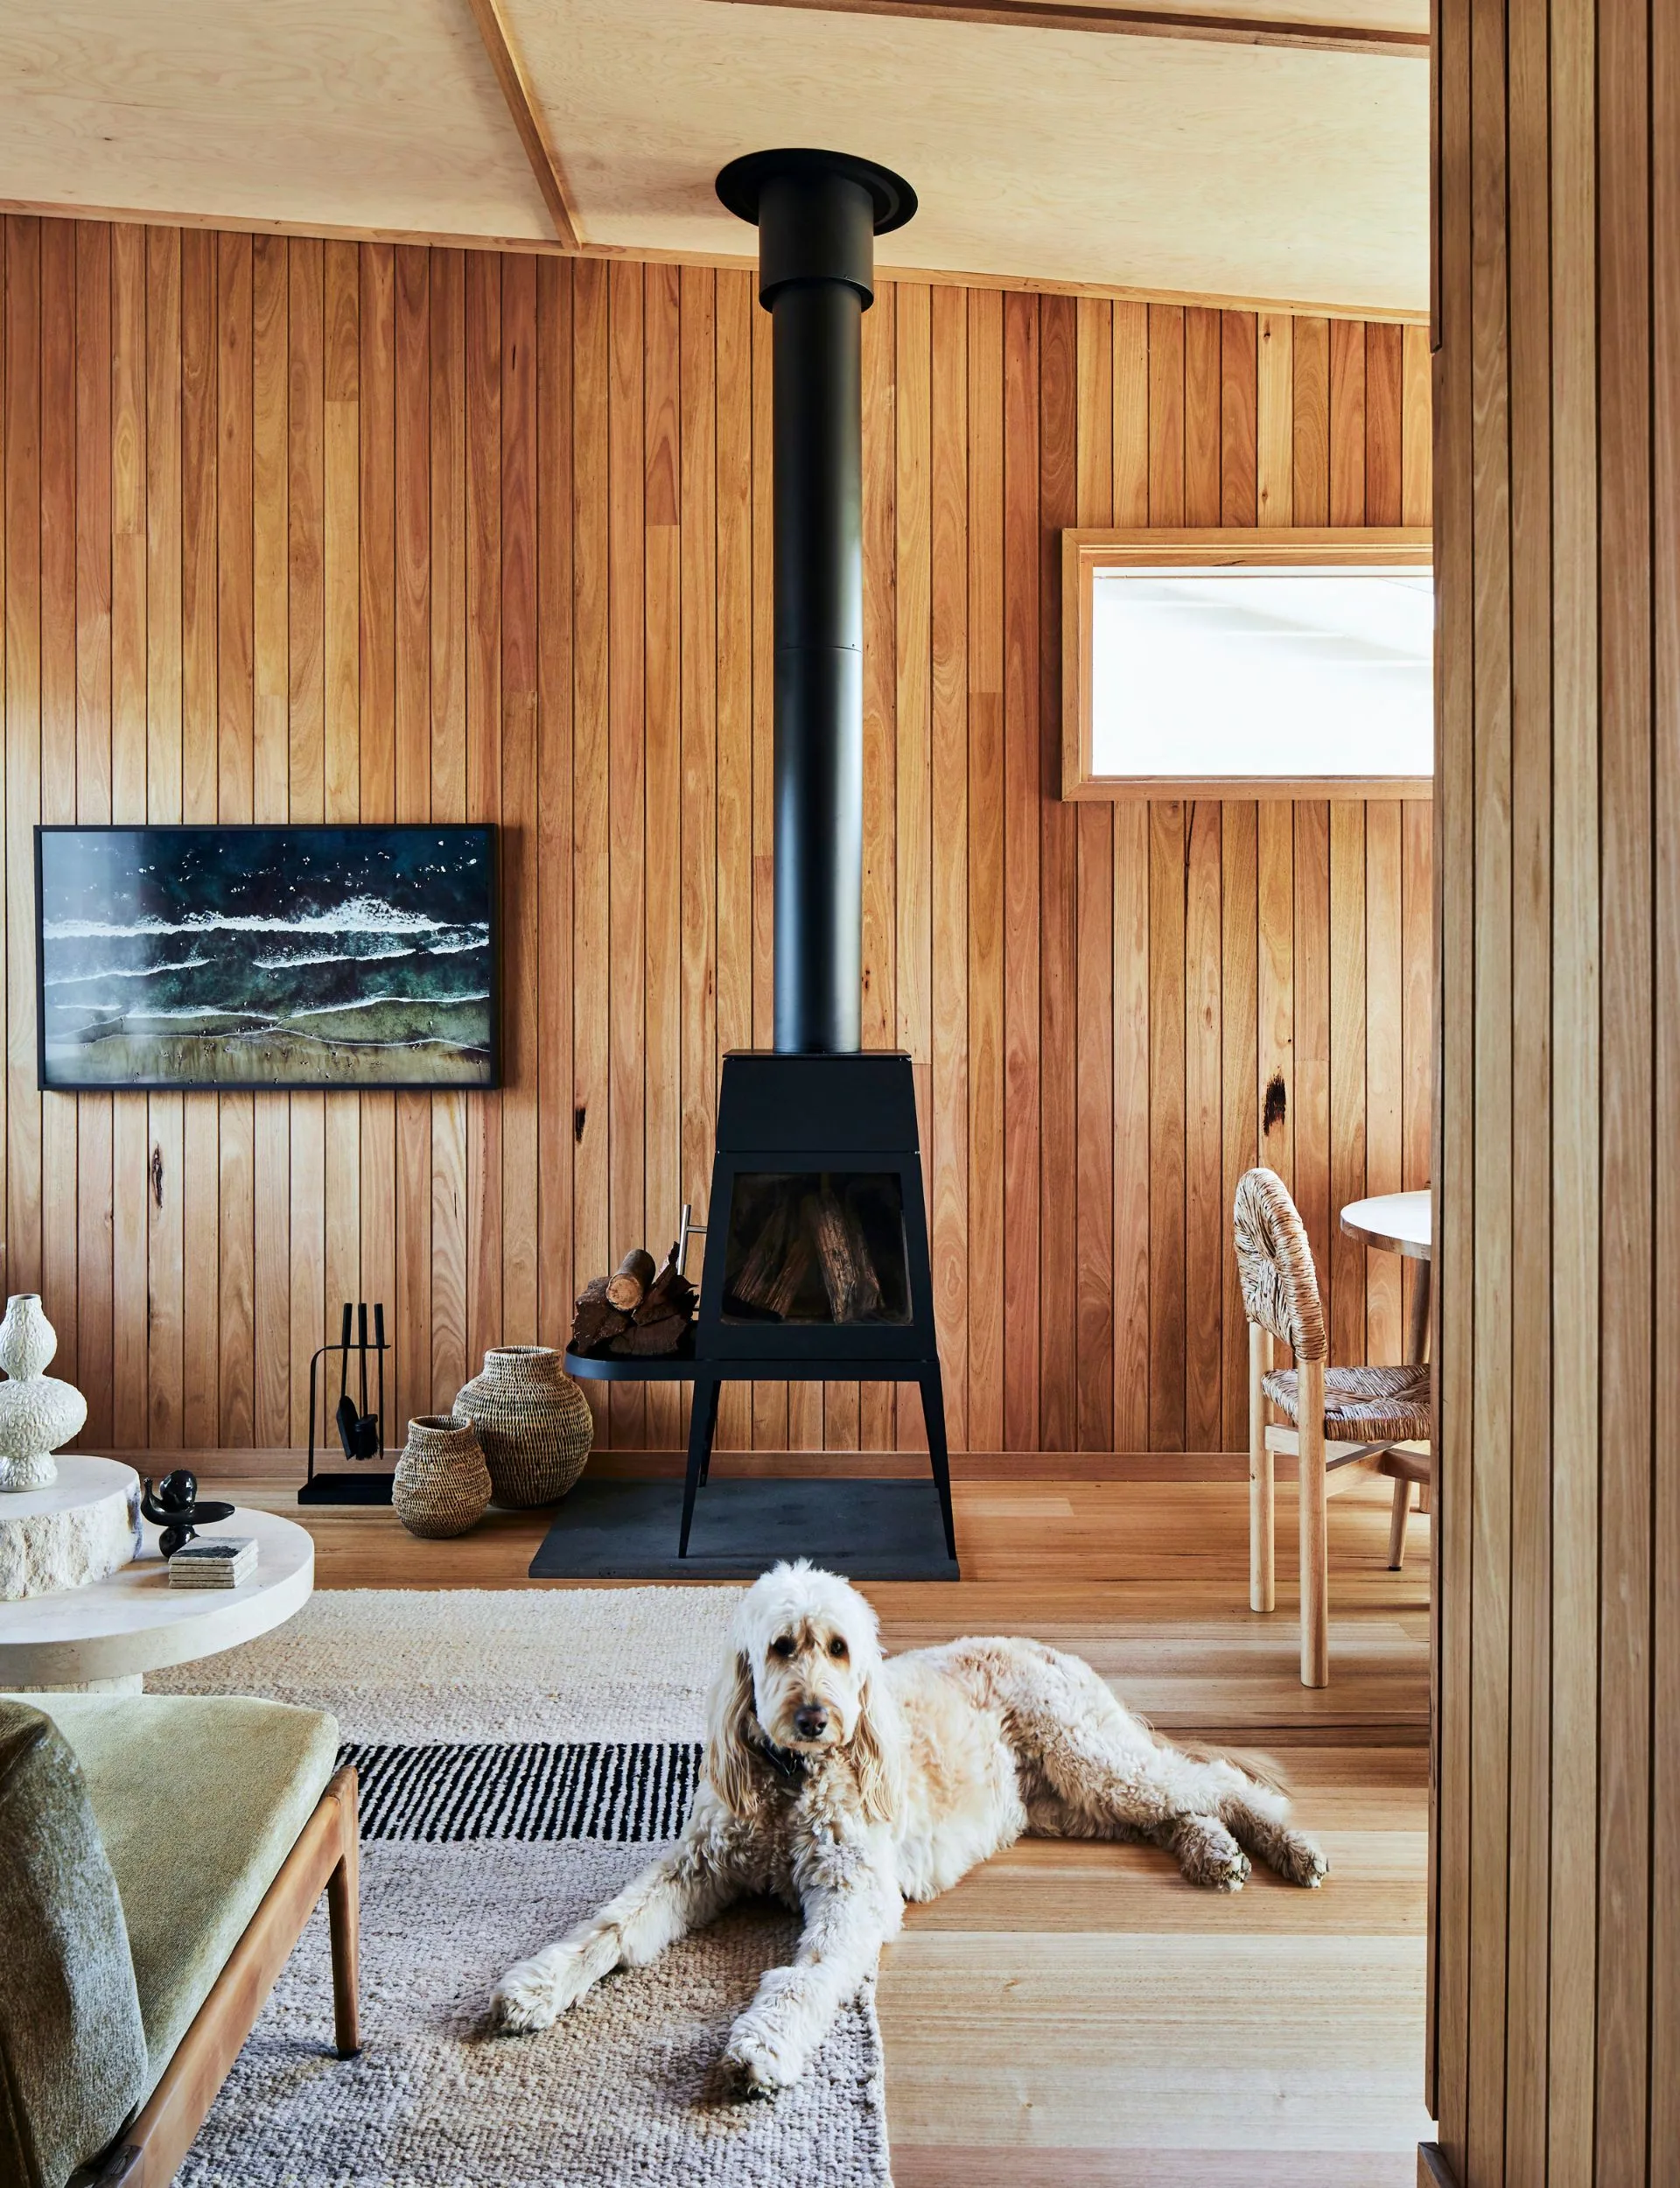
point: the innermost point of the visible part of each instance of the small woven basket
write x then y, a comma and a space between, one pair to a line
441, 1485
533, 1421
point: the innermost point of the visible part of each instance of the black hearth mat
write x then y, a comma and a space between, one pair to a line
628, 1529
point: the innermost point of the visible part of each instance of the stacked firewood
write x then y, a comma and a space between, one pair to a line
639, 1311
800, 1231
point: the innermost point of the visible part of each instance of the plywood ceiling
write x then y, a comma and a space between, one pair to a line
366, 116
1217, 167
1157, 164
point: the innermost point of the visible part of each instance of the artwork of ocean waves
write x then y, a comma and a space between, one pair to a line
283, 957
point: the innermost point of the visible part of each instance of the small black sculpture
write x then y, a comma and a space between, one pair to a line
174, 1506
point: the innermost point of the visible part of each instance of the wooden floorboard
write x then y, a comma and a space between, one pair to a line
1075, 2014
956, 2165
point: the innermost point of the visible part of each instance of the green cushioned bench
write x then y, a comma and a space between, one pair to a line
159, 1855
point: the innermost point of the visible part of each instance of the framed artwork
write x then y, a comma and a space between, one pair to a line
265, 957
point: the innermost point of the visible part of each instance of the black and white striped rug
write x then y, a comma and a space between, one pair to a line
623, 1792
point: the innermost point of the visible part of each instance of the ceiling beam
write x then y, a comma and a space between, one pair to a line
527, 120
1223, 29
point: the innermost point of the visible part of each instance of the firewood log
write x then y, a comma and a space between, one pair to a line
848, 1272
650, 1339
765, 1258
628, 1287
670, 1292
596, 1319
780, 1294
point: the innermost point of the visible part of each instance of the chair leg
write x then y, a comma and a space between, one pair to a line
1315, 1576
1397, 1523
343, 1917
1263, 1565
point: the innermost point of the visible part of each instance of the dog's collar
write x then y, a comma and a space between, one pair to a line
789, 1766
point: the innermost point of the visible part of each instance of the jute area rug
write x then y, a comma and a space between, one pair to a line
522, 1755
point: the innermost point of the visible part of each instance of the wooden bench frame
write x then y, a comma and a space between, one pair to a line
326, 1857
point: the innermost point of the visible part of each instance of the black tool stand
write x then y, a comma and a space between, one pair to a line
371, 1483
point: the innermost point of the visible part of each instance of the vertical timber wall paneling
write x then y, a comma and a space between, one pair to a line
1555, 1985
319, 530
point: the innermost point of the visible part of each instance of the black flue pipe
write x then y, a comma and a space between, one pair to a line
817, 214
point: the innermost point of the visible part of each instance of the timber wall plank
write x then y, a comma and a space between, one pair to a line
323, 530
1556, 2045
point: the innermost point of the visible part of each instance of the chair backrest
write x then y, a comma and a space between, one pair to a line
1280, 1287
72, 2047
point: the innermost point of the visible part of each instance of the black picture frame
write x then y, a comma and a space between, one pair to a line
486, 830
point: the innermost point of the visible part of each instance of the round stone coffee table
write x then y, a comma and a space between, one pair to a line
109, 1634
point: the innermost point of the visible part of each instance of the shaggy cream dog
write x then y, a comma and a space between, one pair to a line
845, 1784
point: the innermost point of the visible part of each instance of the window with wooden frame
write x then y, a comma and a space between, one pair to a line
1247, 663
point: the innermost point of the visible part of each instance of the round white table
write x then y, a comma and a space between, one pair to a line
109, 1635
1399, 1223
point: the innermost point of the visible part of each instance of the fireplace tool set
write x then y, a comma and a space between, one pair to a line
359, 1428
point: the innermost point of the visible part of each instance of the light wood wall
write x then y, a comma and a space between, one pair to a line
1557, 1934
303, 530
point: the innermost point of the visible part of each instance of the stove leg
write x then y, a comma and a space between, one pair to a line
702, 1426
711, 1432
932, 1414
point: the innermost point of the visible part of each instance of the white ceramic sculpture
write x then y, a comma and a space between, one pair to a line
37, 1412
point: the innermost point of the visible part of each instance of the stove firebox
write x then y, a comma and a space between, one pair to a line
816, 1248
816, 1236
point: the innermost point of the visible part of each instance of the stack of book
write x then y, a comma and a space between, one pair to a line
219, 1561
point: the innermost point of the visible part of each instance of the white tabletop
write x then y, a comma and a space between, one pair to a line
1399, 1221
135, 1622
79, 1479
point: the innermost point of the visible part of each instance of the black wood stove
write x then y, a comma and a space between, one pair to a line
816, 1246
816, 1263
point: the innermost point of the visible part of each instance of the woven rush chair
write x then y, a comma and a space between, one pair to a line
1346, 1424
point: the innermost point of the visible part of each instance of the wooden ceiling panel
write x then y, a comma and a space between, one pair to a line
373, 117
1379, 24
1171, 166
1370, 15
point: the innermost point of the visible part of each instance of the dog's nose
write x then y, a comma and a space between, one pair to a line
811, 1721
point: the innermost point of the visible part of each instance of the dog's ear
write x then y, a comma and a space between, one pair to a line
877, 1744
730, 1763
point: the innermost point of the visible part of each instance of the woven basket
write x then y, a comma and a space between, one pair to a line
533, 1421
441, 1485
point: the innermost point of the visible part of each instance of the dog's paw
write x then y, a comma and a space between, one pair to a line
1209, 1855
755, 2065
1228, 1874
1301, 1863
534, 1995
